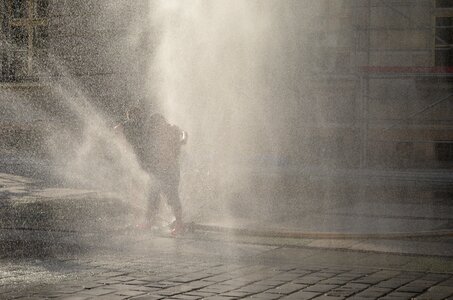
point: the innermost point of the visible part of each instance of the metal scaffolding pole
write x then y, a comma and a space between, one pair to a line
365, 90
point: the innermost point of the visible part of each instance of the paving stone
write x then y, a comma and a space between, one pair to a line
142, 289
269, 282
253, 289
351, 275
110, 297
264, 296
148, 297
69, 289
235, 284
335, 280
72, 298
200, 294
362, 271
239, 282
264, 275
370, 279
219, 278
327, 273
168, 283
308, 280
180, 289
284, 268
400, 296
422, 281
13, 295
154, 278
137, 282
448, 282
108, 281
161, 285
186, 297
373, 293
98, 292
111, 274
320, 288
236, 293
287, 288
218, 298
347, 290
217, 289
301, 295
340, 293
48, 295
413, 275
356, 286
435, 277
257, 269
338, 270
129, 293
190, 278
124, 278
416, 286
394, 282
437, 292
285, 277
325, 297
300, 272
120, 286
91, 285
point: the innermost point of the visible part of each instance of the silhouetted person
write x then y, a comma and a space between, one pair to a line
157, 145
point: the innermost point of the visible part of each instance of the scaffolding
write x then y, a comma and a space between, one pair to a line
370, 71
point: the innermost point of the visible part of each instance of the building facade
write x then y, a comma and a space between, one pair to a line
384, 81
389, 74
86, 43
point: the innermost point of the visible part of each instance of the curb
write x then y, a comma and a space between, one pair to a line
321, 235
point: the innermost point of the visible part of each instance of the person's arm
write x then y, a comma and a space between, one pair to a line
181, 134
118, 128
184, 136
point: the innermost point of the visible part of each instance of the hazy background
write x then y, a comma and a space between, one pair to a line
283, 120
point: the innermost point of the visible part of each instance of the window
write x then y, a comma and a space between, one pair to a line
444, 3
444, 42
24, 29
444, 151
443, 45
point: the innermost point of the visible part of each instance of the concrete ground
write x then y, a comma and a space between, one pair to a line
49, 249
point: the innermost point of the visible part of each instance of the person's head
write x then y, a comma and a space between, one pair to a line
157, 120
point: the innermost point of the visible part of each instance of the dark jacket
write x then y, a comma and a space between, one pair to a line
157, 146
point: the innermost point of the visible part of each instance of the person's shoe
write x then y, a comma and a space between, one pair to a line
178, 229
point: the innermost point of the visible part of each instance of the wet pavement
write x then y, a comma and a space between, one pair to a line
72, 244
146, 266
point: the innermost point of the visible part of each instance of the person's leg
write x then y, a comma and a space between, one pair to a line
153, 204
171, 191
172, 194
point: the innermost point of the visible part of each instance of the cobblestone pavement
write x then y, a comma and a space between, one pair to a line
147, 267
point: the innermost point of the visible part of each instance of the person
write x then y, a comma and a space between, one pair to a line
157, 145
